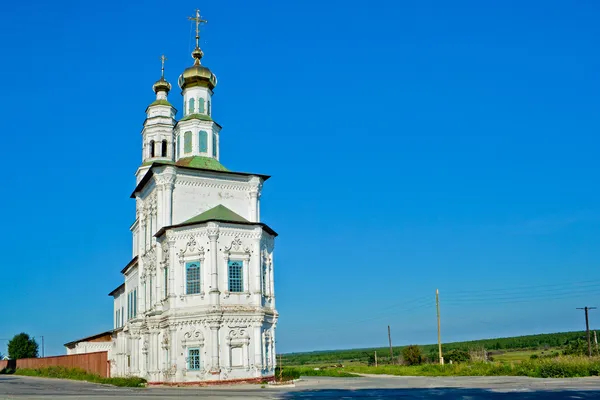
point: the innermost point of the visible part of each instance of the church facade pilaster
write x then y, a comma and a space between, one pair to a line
214, 293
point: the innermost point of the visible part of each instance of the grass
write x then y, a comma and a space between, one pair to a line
80, 375
515, 356
296, 372
560, 367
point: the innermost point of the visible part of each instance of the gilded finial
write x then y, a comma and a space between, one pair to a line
162, 68
197, 53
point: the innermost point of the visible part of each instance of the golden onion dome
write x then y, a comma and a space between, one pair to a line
197, 74
161, 85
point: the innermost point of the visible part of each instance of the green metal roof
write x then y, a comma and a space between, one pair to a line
192, 162
201, 162
218, 213
160, 103
202, 117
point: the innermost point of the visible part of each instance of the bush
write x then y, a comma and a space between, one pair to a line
534, 357
578, 347
412, 355
457, 356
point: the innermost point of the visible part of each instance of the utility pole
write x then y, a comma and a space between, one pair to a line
376, 356
437, 305
391, 350
42, 347
587, 327
596, 341
280, 369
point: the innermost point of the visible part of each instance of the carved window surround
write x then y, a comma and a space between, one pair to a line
194, 339
235, 251
238, 338
192, 252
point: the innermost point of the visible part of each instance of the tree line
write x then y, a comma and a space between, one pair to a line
527, 342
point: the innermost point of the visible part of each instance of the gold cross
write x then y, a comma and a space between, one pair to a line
162, 69
199, 21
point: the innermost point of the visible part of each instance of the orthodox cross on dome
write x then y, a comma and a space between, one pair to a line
162, 68
199, 21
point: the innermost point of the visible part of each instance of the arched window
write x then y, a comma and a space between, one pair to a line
203, 142
201, 105
177, 147
164, 148
187, 142
191, 110
152, 148
185, 107
214, 144
208, 107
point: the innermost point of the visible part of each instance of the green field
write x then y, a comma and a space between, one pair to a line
502, 349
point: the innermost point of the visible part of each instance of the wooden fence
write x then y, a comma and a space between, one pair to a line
94, 363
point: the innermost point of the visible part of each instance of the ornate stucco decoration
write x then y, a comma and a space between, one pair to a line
212, 230
190, 252
236, 246
165, 255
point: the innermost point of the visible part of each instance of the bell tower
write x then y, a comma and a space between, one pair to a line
197, 134
157, 134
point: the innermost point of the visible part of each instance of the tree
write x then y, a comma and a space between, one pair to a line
578, 347
457, 356
22, 346
412, 355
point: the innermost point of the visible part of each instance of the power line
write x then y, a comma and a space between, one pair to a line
592, 282
570, 289
518, 297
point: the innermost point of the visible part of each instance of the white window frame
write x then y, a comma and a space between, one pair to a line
192, 253
194, 339
237, 256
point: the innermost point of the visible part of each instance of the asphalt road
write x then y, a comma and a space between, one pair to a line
368, 387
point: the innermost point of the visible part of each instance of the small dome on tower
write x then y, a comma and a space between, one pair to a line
161, 85
197, 74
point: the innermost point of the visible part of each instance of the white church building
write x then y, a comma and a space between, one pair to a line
197, 300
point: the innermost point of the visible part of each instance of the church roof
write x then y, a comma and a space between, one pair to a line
121, 286
129, 264
219, 213
194, 163
201, 162
201, 117
160, 102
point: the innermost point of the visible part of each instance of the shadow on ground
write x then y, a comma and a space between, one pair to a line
444, 394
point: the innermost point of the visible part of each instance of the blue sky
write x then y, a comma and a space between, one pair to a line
413, 145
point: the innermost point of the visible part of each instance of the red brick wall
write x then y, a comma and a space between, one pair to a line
95, 363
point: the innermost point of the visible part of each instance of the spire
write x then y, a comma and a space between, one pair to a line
197, 53
162, 68
162, 87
